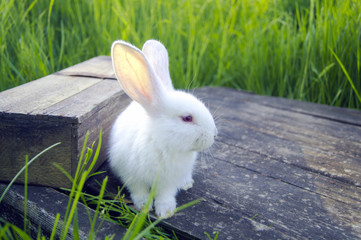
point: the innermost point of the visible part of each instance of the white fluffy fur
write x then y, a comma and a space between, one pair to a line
149, 138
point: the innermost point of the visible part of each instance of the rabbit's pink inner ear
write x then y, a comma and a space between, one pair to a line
133, 73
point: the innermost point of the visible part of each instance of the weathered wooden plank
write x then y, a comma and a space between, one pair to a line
93, 110
322, 145
34, 97
323, 148
42, 206
274, 173
242, 203
104, 118
345, 115
280, 195
84, 104
29, 137
98, 67
208, 216
57, 108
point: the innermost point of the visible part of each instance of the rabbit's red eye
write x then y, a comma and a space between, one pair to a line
188, 118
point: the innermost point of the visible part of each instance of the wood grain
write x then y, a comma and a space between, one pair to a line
29, 136
42, 206
36, 96
61, 107
275, 172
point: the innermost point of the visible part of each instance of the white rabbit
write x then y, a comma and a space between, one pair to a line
160, 132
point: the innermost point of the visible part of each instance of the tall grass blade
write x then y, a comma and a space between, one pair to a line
26, 194
75, 226
347, 75
50, 46
147, 229
81, 175
61, 169
3, 230
139, 220
16, 230
28, 10
101, 195
80, 163
75, 180
187, 205
55, 227
12, 67
73, 207
96, 155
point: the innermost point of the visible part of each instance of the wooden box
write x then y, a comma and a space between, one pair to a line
60, 107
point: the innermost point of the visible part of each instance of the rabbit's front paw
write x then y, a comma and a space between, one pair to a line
188, 185
140, 200
165, 208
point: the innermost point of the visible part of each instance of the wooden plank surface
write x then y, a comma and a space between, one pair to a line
61, 107
42, 206
280, 169
84, 104
34, 97
20, 137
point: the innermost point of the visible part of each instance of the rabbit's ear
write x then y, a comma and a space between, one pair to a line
157, 55
136, 75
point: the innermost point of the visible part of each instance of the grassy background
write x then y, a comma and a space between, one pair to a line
285, 48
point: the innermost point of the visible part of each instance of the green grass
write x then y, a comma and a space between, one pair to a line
307, 49
139, 225
107, 206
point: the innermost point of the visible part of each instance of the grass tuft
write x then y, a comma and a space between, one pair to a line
107, 207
